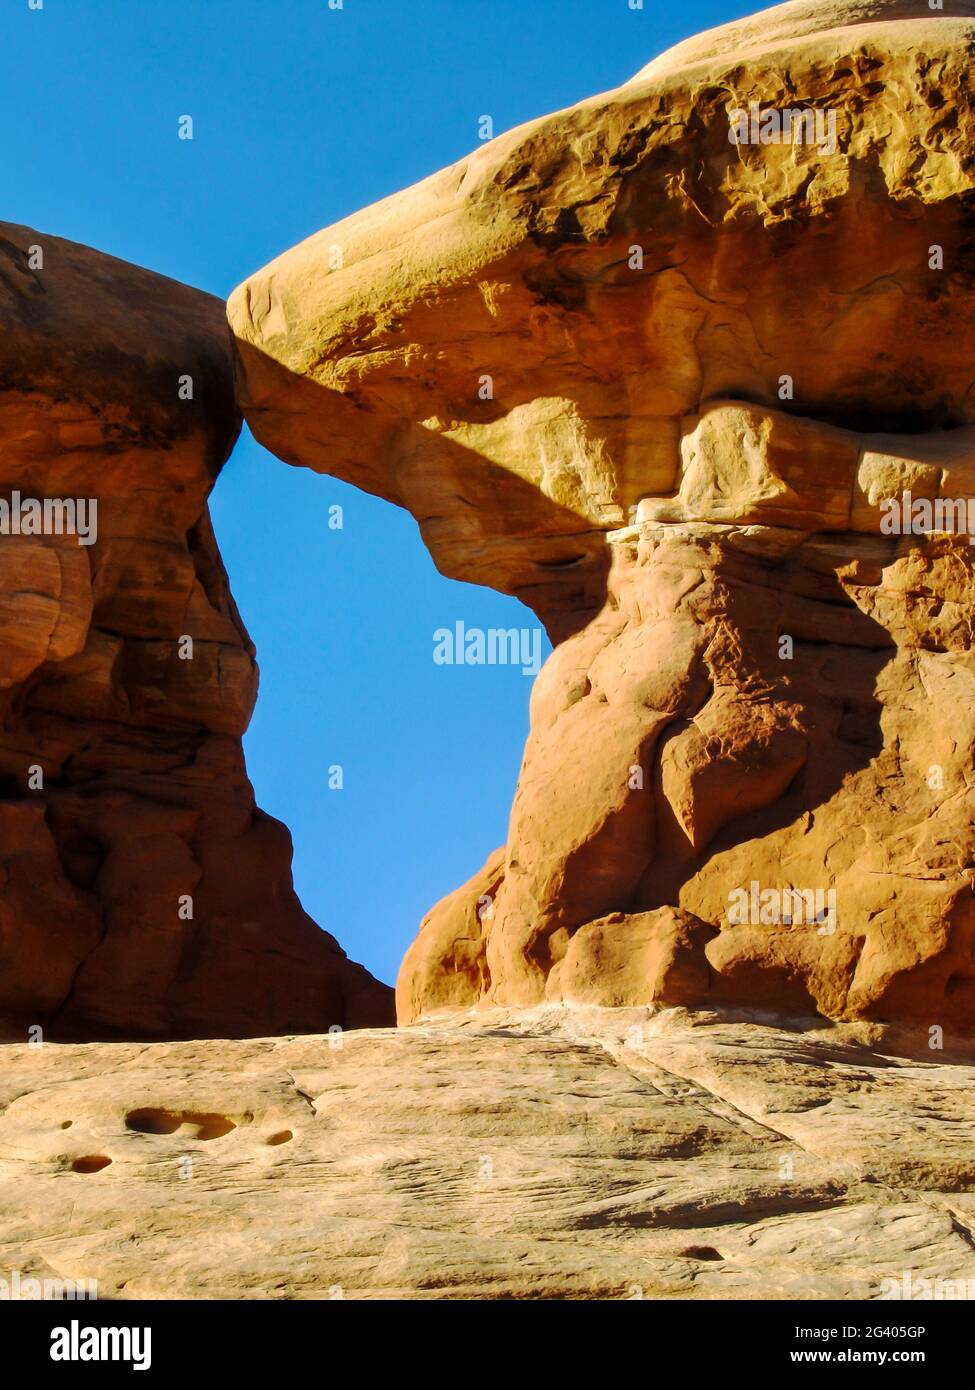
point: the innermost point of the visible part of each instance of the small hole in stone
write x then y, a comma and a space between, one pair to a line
702, 1252
66, 1124
282, 1137
91, 1163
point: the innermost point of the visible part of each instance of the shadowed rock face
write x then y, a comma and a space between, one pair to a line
712, 365
123, 793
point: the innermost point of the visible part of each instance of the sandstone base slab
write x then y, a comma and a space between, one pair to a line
560, 1154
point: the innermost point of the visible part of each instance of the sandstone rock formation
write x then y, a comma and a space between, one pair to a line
123, 793
661, 386
568, 1154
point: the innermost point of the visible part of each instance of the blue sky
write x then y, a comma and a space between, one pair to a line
303, 114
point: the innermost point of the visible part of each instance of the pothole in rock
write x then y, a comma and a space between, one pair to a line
90, 1163
191, 1124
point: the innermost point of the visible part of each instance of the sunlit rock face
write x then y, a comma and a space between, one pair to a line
142, 893
696, 1158
706, 405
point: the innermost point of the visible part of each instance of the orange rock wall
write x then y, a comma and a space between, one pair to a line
142, 893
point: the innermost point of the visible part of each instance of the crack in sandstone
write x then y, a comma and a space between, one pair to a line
739, 1114
309, 1100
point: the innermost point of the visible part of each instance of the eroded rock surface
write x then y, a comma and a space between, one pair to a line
661, 386
123, 793
562, 1154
